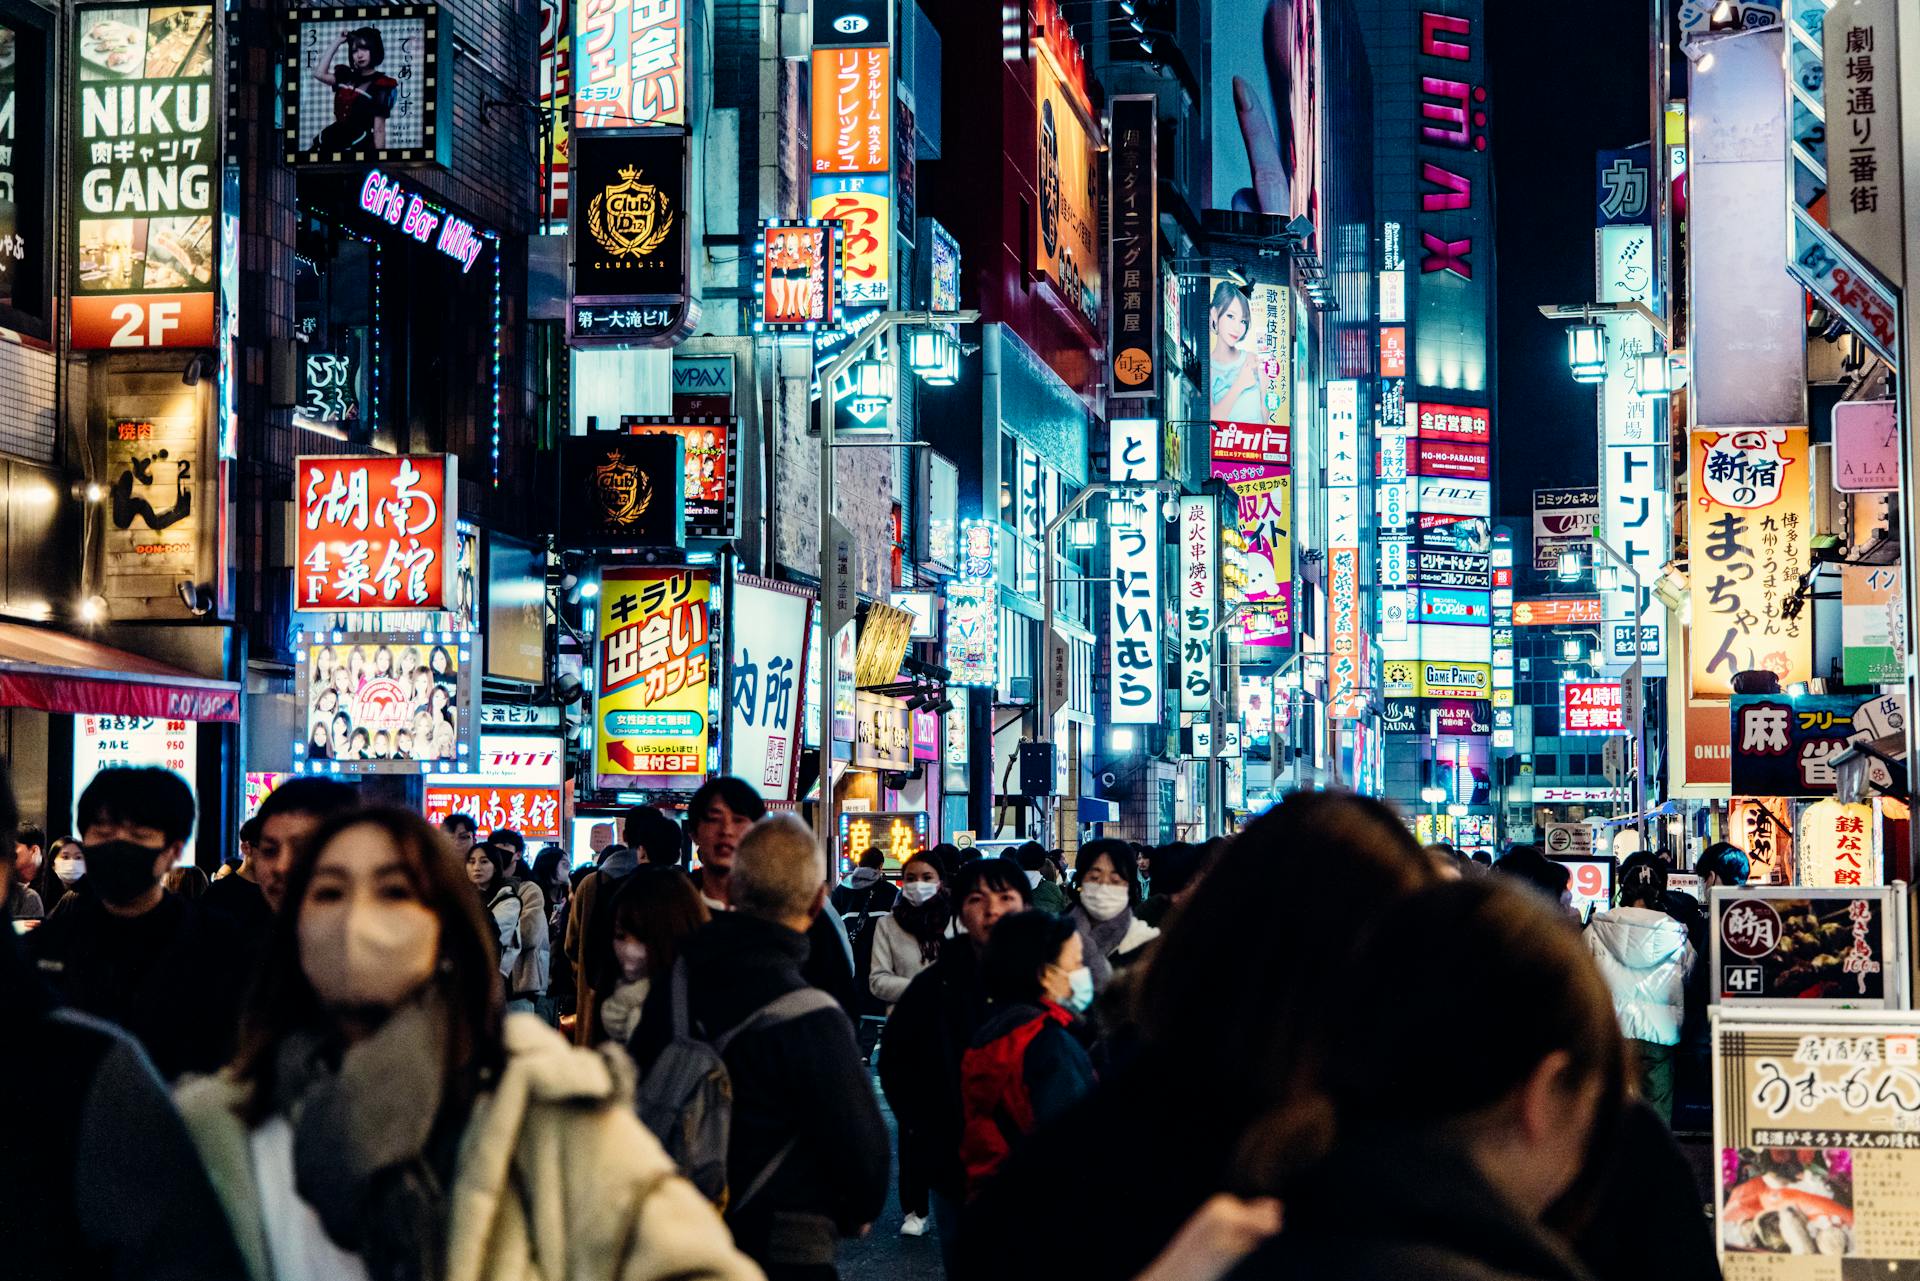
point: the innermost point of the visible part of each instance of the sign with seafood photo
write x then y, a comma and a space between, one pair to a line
1818, 1130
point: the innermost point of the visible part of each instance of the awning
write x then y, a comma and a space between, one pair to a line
55, 672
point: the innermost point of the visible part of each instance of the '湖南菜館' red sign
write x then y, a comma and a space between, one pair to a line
374, 531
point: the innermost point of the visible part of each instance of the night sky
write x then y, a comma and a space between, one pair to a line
1562, 90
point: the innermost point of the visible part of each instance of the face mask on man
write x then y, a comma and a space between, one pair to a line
368, 956
69, 868
919, 892
121, 871
1033, 880
1103, 902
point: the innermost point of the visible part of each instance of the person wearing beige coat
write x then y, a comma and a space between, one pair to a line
556, 1176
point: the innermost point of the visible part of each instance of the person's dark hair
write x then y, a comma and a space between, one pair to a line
1448, 965
187, 882
653, 836
660, 907
549, 869
283, 1001
368, 38
1726, 861
873, 856
1225, 993
1020, 947
28, 834
736, 794
946, 857
320, 797
578, 875
148, 795
1180, 865
250, 830
1527, 863
459, 823
989, 873
509, 839
1483, 858
1125, 861
1030, 856
1642, 881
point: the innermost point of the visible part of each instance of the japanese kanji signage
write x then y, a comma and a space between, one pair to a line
1249, 356
1066, 248
628, 216
1837, 845
101, 742
1343, 433
1804, 947
655, 657
515, 786
374, 531
1466, 423
1134, 614
1346, 677
1134, 232
1783, 745
145, 186
1257, 551
1870, 625
1747, 540
386, 702
1590, 707
1862, 99
883, 735
1198, 597
629, 64
29, 88
766, 664
623, 491
799, 281
155, 507
899, 835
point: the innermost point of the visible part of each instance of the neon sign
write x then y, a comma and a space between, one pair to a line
388, 201
1453, 115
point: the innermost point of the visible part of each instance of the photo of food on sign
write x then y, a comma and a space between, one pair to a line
1821, 947
1788, 1201
389, 701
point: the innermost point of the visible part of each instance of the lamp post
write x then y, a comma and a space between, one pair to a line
1633, 707
834, 611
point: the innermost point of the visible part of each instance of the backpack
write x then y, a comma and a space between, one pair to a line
686, 1098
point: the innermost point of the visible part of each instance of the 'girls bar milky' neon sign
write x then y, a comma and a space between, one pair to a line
388, 201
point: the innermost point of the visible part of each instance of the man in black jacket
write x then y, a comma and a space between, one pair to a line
161, 966
287, 818
931, 1028
802, 1104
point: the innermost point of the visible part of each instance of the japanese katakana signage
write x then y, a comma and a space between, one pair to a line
515, 786
1134, 236
623, 491
1804, 947
374, 531
1862, 100
1346, 676
1635, 520
1747, 540
144, 129
1566, 513
1198, 600
1837, 845
897, 835
1622, 192
852, 158
1783, 745
1133, 617
1870, 624
102, 742
766, 664
629, 64
655, 656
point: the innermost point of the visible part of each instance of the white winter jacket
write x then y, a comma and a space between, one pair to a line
1645, 957
896, 959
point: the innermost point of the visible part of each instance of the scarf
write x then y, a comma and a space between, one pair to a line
370, 1152
1099, 940
926, 922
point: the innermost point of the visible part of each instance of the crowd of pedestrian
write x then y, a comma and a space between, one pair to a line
376, 1048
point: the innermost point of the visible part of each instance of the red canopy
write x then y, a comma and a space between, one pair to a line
56, 672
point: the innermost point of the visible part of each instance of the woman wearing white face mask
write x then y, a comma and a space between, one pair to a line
1108, 881
907, 940
654, 912
381, 1122
69, 865
1026, 1065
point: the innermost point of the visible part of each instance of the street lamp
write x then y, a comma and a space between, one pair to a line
1567, 570
1656, 375
1587, 352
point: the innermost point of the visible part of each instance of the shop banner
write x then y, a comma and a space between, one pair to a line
1467, 571
1133, 449
1257, 551
556, 97
882, 735
1784, 945
1441, 679
1762, 826
1346, 672
1566, 513
1783, 744
885, 633
387, 702
973, 620
1818, 1157
1866, 447
1870, 624
1134, 617
1066, 249
839, 23
767, 654
1445, 606
1198, 596
1250, 343
623, 491
534, 812
629, 64
852, 111
1837, 845
375, 531
1465, 423
863, 206
1450, 718
655, 670
1591, 707
897, 835
629, 234
1446, 458
1133, 231
362, 84
102, 742
799, 279
155, 529
1557, 611
1747, 531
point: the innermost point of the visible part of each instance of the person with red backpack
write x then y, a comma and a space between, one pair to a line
1026, 1065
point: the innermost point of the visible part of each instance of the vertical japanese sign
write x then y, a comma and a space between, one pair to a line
1869, 624
852, 117
973, 609
556, 96
1346, 679
1134, 615
799, 278
1066, 242
1258, 549
1199, 592
144, 145
1837, 846
1133, 449
153, 527
1134, 230
629, 64
655, 671
766, 664
1747, 516
374, 531
1862, 100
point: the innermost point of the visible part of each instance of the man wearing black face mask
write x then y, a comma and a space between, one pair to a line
128, 951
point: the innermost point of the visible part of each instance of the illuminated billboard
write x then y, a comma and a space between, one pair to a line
386, 703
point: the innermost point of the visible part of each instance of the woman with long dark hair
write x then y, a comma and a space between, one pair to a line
381, 1121
907, 939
